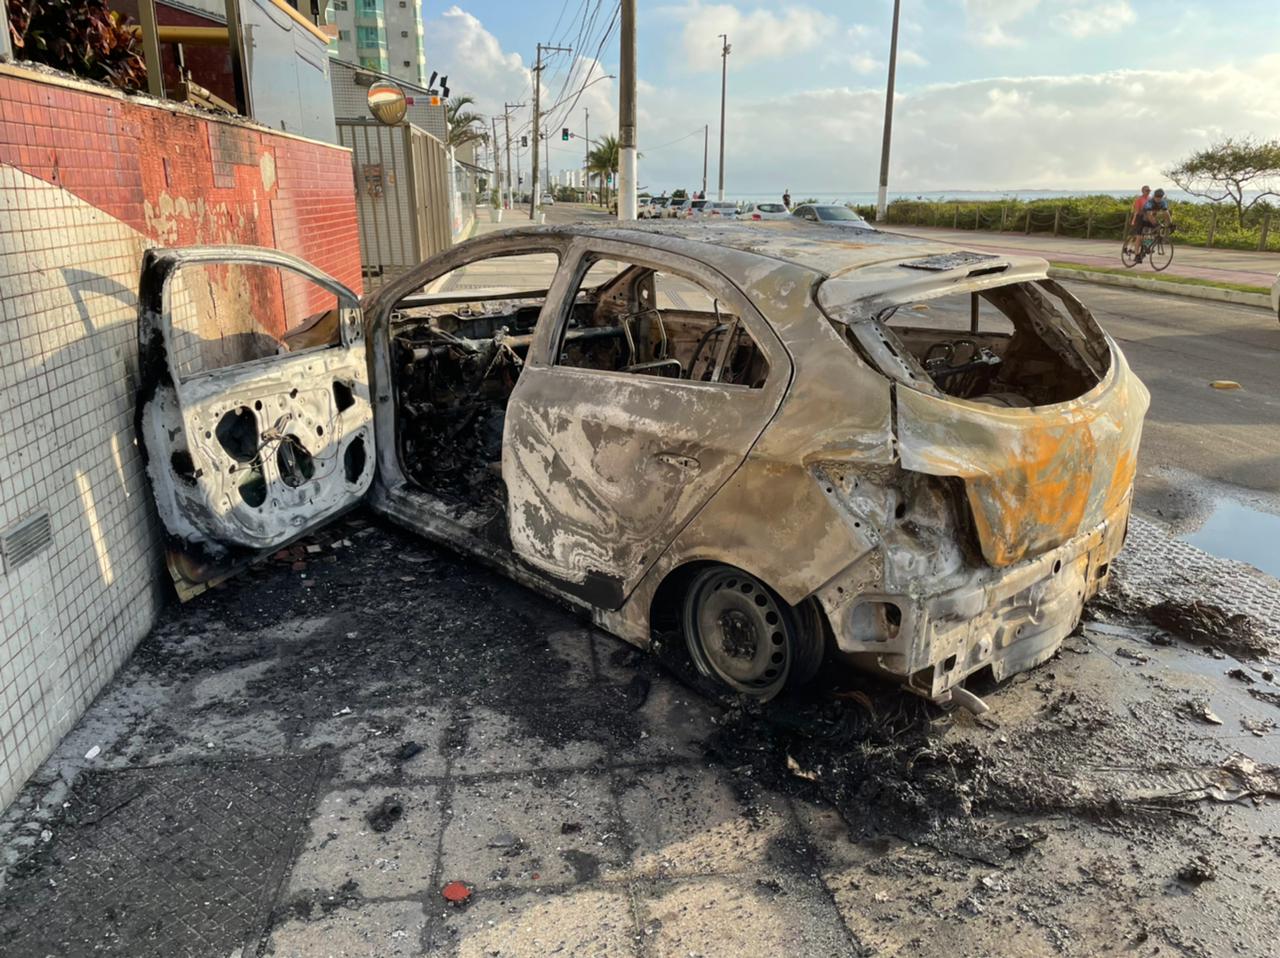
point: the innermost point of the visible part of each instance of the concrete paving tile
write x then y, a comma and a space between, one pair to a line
584, 923
374, 930
343, 845
367, 742
828, 836
678, 722
723, 917
558, 828
573, 648
914, 900
496, 744
685, 820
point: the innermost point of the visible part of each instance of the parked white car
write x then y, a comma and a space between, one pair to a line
548, 200
717, 209
678, 208
764, 211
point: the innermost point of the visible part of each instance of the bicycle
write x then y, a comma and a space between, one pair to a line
1155, 246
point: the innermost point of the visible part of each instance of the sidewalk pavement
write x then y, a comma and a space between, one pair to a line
1221, 265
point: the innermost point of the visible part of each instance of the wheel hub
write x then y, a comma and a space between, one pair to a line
738, 637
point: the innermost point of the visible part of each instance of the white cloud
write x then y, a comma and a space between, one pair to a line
995, 23
754, 35
863, 63
458, 46
1083, 20
987, 20
1051, 132
911, 58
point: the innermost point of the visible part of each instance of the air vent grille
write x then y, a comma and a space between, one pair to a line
22, 541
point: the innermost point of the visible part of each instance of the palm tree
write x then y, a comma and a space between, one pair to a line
464, 126
603, 161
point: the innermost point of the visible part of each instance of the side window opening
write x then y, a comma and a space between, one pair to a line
226, 314
630, 318
1012, 345
457, 351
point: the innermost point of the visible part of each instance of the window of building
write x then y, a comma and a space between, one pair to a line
369, 36
344, 35
340, 4
404, 33
406, 63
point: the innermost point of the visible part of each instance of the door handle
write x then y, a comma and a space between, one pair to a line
682, 462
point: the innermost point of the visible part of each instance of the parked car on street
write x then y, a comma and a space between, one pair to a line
547, 200
693, 210
832, 214
764, 211
655, 209
678, 208
915, 458
716, 209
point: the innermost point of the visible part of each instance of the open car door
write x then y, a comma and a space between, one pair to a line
245, 457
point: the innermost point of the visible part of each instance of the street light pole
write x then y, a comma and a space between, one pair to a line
497, 159
586, 155
882, 196
627, 113
537, 122
706, 131
724, 80
506, 120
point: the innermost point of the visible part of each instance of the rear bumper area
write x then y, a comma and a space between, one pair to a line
1009, 619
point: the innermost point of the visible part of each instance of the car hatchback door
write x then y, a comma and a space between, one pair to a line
274, 440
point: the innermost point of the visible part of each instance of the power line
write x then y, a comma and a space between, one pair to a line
595, 60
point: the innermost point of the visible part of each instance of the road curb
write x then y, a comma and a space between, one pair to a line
1212, 293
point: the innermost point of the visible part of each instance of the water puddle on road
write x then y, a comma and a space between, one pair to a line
1235, 531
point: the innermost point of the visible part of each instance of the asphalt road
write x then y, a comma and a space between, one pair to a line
1200, 444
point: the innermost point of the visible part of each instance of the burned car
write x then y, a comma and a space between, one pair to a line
788, 445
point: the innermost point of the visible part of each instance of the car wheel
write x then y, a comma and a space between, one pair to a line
740, 632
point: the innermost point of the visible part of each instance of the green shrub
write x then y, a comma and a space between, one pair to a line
1096, 217
84, 37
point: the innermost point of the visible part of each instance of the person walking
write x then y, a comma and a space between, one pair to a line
786, 197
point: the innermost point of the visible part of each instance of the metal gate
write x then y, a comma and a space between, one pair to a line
402, 196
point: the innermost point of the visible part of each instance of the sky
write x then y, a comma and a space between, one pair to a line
990, 95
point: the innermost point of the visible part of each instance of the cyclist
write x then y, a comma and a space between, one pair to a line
1154, 212
1135, 215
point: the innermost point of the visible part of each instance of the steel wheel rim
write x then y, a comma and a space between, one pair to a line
738, 632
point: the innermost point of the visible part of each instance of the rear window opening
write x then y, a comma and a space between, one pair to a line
1022, 344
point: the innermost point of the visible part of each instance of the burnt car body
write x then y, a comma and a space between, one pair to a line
767, 456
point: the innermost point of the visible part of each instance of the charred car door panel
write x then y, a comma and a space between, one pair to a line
603, 467
247, 457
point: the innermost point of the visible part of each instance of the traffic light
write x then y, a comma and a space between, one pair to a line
524, 141
564, 134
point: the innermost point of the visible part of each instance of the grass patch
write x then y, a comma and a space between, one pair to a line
1146, 273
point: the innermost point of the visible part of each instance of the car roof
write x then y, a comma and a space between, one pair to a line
736, 247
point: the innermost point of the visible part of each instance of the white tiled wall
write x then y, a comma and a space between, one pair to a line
68, 364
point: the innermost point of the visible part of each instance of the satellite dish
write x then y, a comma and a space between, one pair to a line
387, 102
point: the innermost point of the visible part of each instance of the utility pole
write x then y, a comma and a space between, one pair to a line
706, 131
883, 195
497, 160
627, 114
724, 80
506, 119
586, 155
537, 123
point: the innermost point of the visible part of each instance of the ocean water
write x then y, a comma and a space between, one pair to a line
869, 199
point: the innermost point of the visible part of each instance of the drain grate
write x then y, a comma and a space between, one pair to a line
22, 541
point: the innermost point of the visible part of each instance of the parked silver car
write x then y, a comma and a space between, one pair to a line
833, 215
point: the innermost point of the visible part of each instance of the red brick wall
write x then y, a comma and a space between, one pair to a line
180, 178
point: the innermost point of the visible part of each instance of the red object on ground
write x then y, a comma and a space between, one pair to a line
456, 892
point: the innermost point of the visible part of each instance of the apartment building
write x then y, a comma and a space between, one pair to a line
382, 35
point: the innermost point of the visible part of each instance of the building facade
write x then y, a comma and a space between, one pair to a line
382, 35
